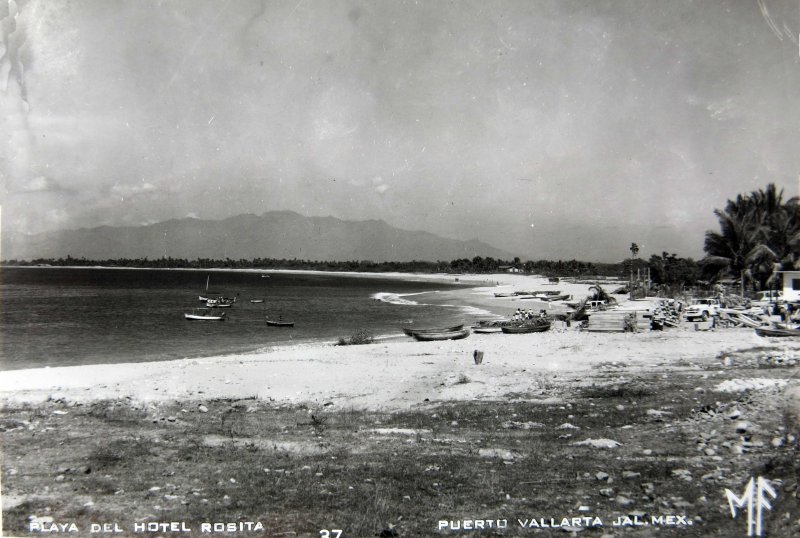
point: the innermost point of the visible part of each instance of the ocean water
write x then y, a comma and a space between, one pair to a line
68, 316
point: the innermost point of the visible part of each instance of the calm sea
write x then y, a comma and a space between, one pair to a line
64, 316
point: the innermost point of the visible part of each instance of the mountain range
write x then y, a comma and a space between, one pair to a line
276, 234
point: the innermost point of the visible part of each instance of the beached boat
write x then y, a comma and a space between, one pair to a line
437, 336
526, 328
508, 294
775, 331
279, 323
412, 331
562, 297
204, 314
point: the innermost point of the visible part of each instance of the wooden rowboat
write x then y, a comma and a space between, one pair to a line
526, 328
204, 314
274, 323
773, 331
447, 335
411, 331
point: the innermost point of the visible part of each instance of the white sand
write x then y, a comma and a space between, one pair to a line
387, 375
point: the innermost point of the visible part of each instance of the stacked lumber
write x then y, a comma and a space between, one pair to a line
615, 321
666, 315
730, 317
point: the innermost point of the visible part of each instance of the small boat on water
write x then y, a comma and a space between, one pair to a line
412, 331
279, 323
437, 336
219, 303
204, 314
256, 300
776, 331
526, 328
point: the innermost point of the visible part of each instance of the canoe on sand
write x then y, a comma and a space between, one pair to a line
447, 335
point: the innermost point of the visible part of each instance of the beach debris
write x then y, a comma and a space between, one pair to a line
202, 408
744, 426
602, 475
514, 425
500, 453
628, 475
10, 425
398, 431
568, 426
598, 443
682, 474
477, 356
741, 385
623, 500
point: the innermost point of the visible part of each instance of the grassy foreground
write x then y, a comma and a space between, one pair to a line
298, 471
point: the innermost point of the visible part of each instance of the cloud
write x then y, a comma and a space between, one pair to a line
128, 191
41, 184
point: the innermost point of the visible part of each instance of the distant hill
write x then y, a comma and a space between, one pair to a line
277, 234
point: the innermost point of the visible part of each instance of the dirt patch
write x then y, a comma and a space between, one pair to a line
614, 444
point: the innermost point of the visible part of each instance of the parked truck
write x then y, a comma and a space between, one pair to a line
702, 309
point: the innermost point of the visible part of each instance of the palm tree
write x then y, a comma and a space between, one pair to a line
759, 234
780, 231
733, 248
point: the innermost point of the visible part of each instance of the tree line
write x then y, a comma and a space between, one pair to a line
477, 264
759, 235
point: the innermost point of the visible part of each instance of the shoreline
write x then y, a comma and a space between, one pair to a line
387, 375
311, 372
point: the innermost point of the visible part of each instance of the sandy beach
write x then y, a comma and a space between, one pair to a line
394, 374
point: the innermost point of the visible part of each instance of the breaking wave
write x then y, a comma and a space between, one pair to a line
396, 298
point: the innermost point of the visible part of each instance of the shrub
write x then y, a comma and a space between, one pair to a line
361, 336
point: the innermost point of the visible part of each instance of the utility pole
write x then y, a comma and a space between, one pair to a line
634, 252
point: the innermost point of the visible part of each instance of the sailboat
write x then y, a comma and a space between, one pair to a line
216, 302
204, 298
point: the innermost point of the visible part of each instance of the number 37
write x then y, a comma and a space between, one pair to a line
333, 533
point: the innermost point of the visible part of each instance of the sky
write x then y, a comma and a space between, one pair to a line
550, 129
